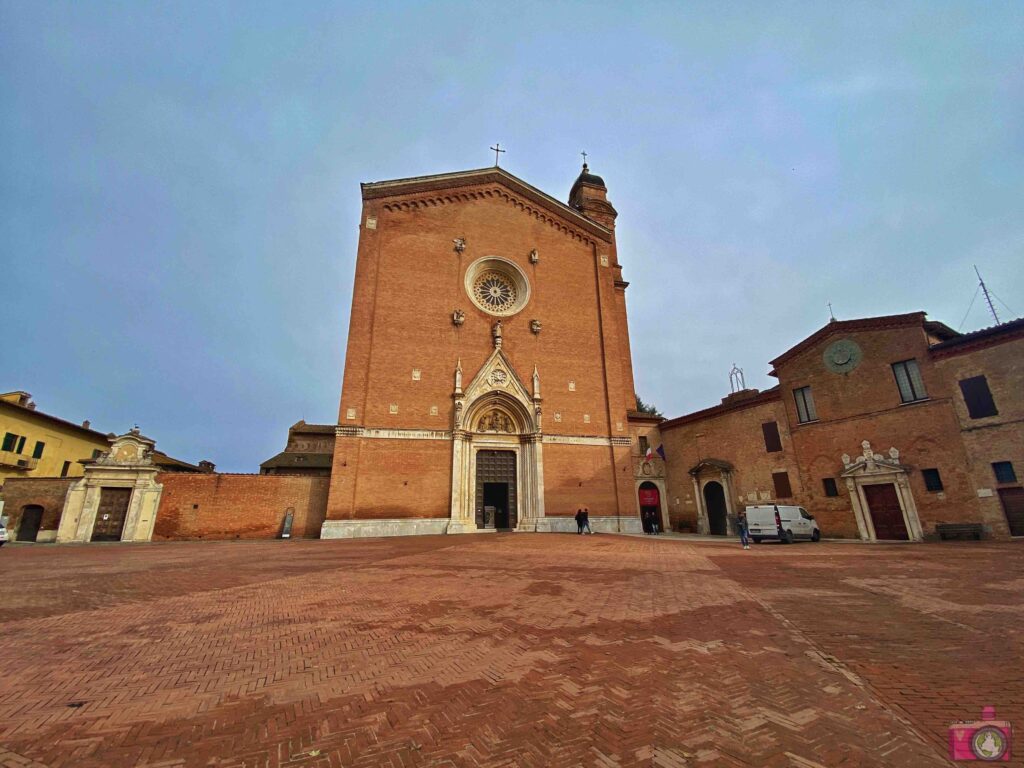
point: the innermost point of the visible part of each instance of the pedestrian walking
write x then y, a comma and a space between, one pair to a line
741, 524
586, 521
579, 521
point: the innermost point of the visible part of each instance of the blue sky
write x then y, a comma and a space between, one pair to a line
179, 192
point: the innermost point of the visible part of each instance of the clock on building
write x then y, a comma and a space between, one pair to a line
842, 356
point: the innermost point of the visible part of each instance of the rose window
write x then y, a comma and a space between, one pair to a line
497, 286
495, 291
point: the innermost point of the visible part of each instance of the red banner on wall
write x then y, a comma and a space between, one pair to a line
649, 497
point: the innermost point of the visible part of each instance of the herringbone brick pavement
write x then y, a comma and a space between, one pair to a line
504, 650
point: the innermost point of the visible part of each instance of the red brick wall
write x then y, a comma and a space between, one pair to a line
395, 478
736, 437
577, 476
46, 492
214, 506
992, 438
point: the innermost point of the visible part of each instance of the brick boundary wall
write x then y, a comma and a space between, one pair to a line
46, 492
222, 506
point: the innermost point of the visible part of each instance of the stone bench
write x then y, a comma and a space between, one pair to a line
949, 531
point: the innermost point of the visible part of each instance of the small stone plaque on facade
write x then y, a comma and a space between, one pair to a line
618, 426
371, 222
350, 413
433, 410
558, 417
415, 374
394, 408
604, 259
572, 386
586, 418
984, 493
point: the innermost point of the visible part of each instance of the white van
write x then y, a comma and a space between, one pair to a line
774, 521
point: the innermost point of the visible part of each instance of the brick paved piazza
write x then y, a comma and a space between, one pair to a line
506, 650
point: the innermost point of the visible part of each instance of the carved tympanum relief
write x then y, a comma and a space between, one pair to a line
495, 421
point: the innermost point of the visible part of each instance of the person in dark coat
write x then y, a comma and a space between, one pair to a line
579, 521
586, 521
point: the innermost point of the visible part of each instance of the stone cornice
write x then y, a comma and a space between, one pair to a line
442, 189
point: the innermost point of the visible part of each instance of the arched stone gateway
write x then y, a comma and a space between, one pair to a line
497, 460
712, 485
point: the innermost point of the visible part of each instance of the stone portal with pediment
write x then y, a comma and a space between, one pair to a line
873, 469
118, 495
497, 412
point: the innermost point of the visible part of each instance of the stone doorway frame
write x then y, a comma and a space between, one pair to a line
719, 471
872, 468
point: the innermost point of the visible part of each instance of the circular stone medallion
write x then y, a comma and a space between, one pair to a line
842, 356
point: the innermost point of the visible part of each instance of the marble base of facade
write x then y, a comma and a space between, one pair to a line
365, 529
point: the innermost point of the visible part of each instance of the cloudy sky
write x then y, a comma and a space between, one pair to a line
179, 182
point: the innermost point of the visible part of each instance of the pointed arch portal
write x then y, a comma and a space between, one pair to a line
497, 461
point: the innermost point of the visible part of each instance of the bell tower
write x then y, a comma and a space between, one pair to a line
589, 196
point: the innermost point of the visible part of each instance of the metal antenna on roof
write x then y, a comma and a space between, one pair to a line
736, 381
831, 314
984, 289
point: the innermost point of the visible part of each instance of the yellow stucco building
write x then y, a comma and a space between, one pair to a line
36, 444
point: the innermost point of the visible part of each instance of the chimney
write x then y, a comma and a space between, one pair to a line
207, 466
86, 423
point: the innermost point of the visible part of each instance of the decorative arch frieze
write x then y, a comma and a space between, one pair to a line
538, 213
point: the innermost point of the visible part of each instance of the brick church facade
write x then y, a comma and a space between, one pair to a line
488, 382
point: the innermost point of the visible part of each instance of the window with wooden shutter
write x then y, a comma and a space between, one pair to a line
38, 452
782, 487
10, 440
932, 480
65, 468
1004, 472
830, 486
772, 441
978, 397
